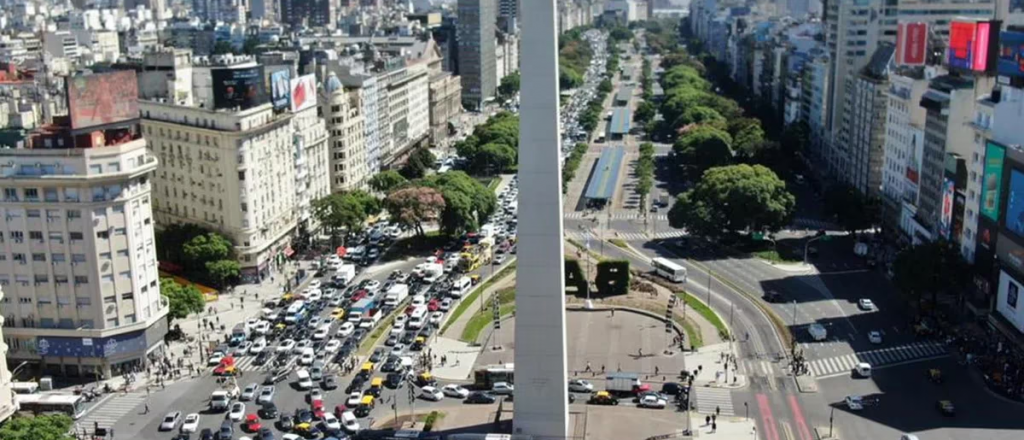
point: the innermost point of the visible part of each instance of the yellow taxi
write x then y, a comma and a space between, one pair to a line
338, 313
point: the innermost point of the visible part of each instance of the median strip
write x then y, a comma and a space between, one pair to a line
468, 301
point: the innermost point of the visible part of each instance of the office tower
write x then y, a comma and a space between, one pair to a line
309, 13
541, 395
476, 39
82, 295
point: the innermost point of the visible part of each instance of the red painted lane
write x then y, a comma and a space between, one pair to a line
769, 432
798, 416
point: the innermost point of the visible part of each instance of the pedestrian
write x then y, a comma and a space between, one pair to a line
714, 418
655, 370
707, 420
602, 368
718, 410
588, 370
218, 319
147, 405
714, 427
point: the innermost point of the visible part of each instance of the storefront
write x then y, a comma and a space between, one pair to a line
98, 358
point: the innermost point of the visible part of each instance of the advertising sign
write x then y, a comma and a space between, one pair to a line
303, 92
1007, 298
946, 214
959, 203
995, 157
280, 89
986, 235
961, 42
983, 39
911, 44
1015, 203
103, 98
1011, 54
1010, 254
239, 88
124, 344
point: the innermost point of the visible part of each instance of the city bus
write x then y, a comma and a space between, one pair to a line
484, 378
670, 270
71, 405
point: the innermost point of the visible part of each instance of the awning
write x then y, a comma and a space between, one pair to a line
288, 251
342, 251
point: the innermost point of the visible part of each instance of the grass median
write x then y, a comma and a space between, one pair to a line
693, 303
480, 319
619, 242
468, 301
378, 333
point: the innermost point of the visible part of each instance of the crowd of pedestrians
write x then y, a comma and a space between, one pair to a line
999, 361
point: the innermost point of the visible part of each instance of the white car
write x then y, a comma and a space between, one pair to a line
291, 436
354, 399
266, 394
315, 295
875, 337
581, 386
285, 346
855, 403
250, 391
346, 329
215, 358
237, 412
652, 401
372, 286
320, 334
332, 346
501, 388
436, 317
400, 320
251, 323
243, 348
446, 304
302, 346
398, 350
315, 394
258, 346
431, 393
191, 423
349, 422
307, 357
331, 422
453, 390
315, 284
866, 304
315, 322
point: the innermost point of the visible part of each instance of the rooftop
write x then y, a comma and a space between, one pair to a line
606, 174
620, 120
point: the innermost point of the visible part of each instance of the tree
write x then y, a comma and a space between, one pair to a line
700, 114
345, 210
704, 147
747, 136
251, 45
412, 206
934, 267
605, 86
222, 272
509, 86
684, 76
385, 181
41, 427
569, 78
223, 47
852, 209
733, 199
645, 112
466, 201
208, 247
418, 163
182, 300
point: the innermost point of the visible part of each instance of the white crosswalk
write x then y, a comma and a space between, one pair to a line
246, 364
583, 235
616, 215
109, 412
709, 399
882, 356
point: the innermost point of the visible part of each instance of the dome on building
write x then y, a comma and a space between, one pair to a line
333, 84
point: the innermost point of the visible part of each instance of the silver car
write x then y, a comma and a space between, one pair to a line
171, 421
266, 395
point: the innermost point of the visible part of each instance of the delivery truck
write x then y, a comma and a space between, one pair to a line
625, 384
432, 272
360, 309
396, 294
344, 275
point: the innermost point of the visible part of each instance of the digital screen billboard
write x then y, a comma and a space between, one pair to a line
1015, 203
911, 44
1007, 300
961, 41
280, 89
239, 88
1011, 54
303, 92
102, 98
992, 180
946, 215
973, 45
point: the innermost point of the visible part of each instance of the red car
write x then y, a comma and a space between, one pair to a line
360, 294
409, 310
433, 305
318, 409
338, 410
252, 423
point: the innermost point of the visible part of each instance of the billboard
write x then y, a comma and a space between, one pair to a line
239, 88
280, 89
303, 92
992, 180
1011, 54
1015, 203
946, 215
911, 44
1007, 300
102, 98
972, 45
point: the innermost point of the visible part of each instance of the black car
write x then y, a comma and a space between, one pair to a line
330, 383
266, 434
268, 411
206, 434
672, 388
262, 358
377, 355
285, 422
408, 338
390, 366
359, 334
181, 436
393, 380
356, 385
303, 416
480, 397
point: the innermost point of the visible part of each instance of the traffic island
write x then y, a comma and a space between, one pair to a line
825, 433
807, 383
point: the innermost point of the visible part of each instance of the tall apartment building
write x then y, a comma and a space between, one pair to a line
343, 111
372, 97
7, 405
78, 261
477, 65
309, 13
904, 149
237, 164
863, 130
445, 104
409, 110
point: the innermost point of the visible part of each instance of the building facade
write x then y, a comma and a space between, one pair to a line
476, 37
7, 405
343, 111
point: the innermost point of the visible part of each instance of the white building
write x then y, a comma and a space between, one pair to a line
7, 407
904, 149
347, 144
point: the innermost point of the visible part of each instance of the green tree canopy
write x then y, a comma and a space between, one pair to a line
704, 147
493, 158
345, 210
645, 112
494, 145
852, 209
747, 136
412, 206
420, 160
737, 198
700, 114
684, 76
41, 427
466, 201
223, 47
182, 300
509, 86
207, 247
605, 86
223, 272
385, 181
934, 267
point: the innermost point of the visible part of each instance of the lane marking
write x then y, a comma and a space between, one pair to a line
880, 367
767, 421
798, 415
787, 431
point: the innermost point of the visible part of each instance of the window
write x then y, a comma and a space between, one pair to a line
122, 253
32, 213
104, 255
119, 209
114, 166
74, 214
32, 194
128, 295
57, 237
95, 169
129, 319
19, 258
10, 194
110, 299
17, 236
52, 215
126, 275
113, 322
71, 195
40, 279
75, 235
99, 193
107, 278
77, 258
86, 323
60, 279
120, 231
38, 257
35, 235
57, 258
103, 235
50, 194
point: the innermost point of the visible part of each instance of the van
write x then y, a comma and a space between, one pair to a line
460, 287
817, 332
305, 382
863, 370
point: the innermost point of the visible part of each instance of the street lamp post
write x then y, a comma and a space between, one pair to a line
709, 286
831, 417
746, 407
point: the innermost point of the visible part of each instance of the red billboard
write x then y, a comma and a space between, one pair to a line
911, 44
102, 98
973, 45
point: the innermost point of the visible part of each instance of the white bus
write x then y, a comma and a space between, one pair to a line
417, 318
669, 270
69, 404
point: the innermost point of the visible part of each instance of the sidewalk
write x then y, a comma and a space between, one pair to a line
728, 428
714, 372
